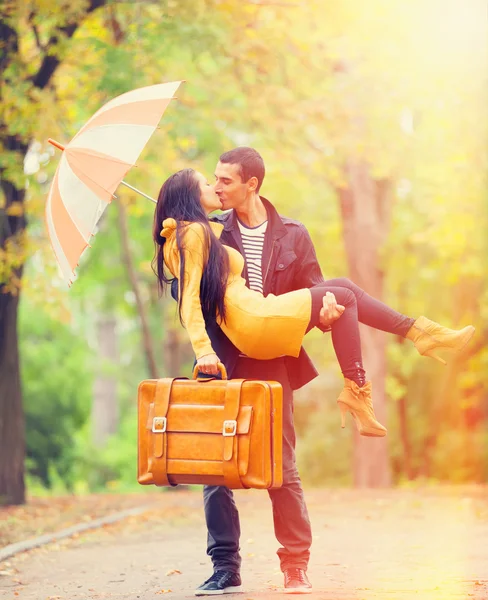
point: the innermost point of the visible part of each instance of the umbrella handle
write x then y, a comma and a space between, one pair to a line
55, 144
138, 191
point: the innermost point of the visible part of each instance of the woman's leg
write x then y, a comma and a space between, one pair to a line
372, 312
427, 335
345, 331
356, 395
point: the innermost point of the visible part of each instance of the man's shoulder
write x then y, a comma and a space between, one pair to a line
292, 223
295, 228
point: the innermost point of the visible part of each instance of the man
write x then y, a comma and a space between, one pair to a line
279, 257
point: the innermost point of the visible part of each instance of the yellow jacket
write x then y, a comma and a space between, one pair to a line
260, 327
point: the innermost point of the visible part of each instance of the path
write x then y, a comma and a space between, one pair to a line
394, 544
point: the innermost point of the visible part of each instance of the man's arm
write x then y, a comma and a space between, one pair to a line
310, 275
309, 272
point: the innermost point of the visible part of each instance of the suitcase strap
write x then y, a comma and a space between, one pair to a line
229, 431
159, 437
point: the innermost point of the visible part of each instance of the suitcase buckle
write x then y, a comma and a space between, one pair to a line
230, 428
159, 425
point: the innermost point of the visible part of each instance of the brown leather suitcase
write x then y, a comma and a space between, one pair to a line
212, 432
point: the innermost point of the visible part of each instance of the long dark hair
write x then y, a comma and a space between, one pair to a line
179, 199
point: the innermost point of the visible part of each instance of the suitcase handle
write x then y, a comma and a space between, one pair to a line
221, 367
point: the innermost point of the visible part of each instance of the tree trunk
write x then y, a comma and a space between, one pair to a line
147, 342
403, 425
365, 206
105, 408
371, 466
12, 436
173, 352
405, 438
12, 441
12, 227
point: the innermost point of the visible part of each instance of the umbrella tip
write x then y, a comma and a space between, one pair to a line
55, 144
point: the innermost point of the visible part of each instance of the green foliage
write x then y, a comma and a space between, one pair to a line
57, 382
324, 450
461, 455
112, 467
312, 87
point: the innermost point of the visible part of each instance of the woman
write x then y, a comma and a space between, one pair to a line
211, 286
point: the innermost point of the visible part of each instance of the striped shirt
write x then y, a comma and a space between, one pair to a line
253, 243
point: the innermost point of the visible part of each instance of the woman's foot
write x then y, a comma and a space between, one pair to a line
428, 336
357, 400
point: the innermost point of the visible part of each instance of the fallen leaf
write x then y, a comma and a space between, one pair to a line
174, 572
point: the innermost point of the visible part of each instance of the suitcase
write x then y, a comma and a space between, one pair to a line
210, 431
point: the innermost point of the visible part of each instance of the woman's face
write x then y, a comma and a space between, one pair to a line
208, 198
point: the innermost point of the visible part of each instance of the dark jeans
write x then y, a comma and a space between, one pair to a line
360, 308
290, 515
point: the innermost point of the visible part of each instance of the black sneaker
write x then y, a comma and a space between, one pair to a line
221, 582
296, 582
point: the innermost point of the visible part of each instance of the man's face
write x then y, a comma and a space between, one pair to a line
230, 188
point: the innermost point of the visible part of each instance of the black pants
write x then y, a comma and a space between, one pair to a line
290, 515
360, 308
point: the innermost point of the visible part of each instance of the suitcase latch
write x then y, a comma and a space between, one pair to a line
230, 428
159, 425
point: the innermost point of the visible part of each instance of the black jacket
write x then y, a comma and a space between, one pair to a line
289, 263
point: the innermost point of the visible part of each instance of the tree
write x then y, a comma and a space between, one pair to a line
364, 239
20, 79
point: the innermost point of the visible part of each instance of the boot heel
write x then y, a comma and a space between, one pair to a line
428, 335
357, 401
344, 410
432, 354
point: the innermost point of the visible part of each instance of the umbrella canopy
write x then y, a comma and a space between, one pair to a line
94, 163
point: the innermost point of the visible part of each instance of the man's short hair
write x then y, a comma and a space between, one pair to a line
250, 163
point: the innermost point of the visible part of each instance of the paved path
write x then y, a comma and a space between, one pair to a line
395, 545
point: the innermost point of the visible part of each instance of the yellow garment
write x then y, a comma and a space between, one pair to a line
260, 327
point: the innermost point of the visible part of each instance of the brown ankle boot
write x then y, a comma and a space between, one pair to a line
428, 336
357, 401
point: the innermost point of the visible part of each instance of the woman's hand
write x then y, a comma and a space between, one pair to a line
208, 364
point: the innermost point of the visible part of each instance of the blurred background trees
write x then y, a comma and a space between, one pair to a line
371, 118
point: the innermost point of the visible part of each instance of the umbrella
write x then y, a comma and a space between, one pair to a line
94, 163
